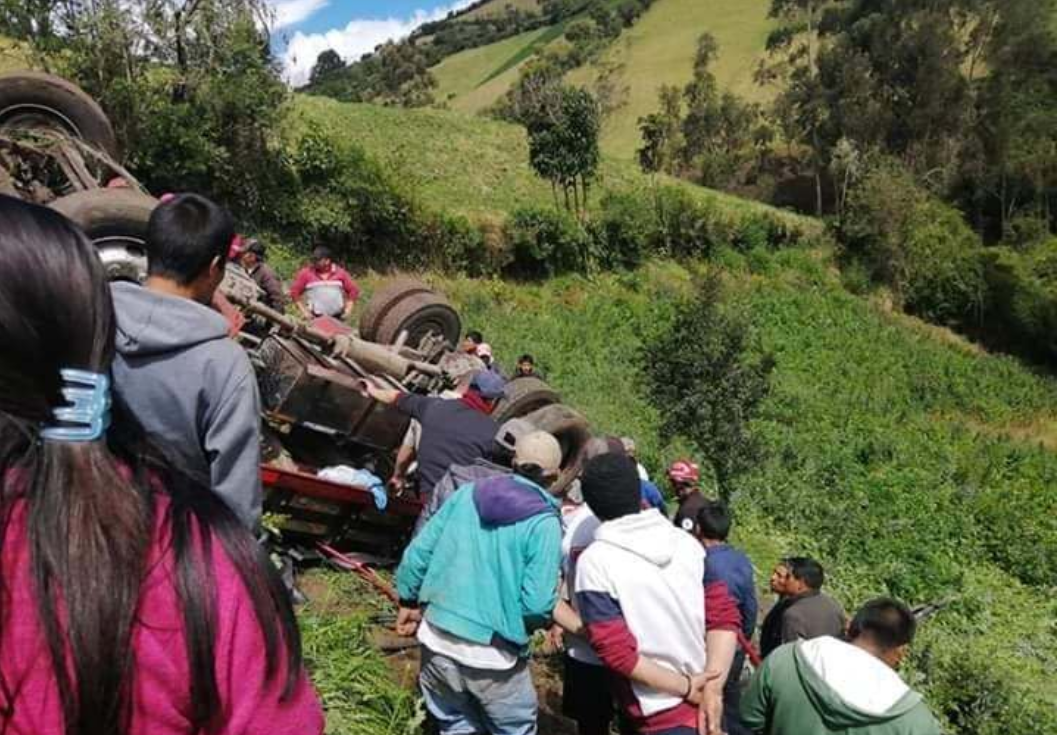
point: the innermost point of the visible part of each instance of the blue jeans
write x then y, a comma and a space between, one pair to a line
468, 701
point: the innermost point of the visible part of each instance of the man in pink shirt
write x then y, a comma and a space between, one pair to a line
322, 288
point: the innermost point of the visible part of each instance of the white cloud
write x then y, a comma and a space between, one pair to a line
357, 38
292, 12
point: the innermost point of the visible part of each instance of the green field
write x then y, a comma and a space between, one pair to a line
659, 49
467, 164
473, 79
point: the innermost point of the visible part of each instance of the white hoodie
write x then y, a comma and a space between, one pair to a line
644, 575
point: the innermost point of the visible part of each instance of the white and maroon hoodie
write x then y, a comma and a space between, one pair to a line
640, 591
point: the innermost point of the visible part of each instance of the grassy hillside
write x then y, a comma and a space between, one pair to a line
499, 7
466, 164
660, 48
13, 56
657, 50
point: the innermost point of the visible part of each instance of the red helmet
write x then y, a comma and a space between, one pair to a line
684, 472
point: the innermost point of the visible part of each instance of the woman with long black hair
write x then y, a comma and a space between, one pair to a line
132, 602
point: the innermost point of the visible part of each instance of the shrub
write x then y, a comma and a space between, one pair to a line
917, 245
704, 381
1022, 301
545, 242
626, 230
688, 227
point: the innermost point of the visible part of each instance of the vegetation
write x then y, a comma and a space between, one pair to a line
904, 461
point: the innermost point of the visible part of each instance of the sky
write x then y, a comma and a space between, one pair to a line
306, 28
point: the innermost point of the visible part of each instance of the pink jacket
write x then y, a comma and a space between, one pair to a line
161, 700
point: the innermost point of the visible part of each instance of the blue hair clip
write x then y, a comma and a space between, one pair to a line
88, 416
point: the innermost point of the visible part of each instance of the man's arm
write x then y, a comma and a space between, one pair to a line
539, 586
232, 444
297, 291
794, 626
417, 557
274, 288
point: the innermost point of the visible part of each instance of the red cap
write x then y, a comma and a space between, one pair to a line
684, 472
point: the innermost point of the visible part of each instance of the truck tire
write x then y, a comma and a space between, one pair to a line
383, 300
116, 221
572, 431
420, 314
523, 396
30, 99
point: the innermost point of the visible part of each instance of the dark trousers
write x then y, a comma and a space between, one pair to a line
732, 724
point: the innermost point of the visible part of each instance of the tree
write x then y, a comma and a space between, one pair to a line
191, 87
707, 385
662, 135
563, 146
327, 63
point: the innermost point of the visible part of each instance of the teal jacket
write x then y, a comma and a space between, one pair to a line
486, 565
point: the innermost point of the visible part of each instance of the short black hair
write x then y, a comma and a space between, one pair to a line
475, 337
885, 622
185, 235
321, 252
611, 487
527, 358
713, 520
807, 570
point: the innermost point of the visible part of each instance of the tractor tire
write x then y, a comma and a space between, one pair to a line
115, 220
572, 431
523, 396
384, 300
419, 314
30, 99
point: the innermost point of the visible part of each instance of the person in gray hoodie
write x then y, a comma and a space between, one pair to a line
188, 384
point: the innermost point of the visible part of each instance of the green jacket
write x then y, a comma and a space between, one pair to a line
825, 686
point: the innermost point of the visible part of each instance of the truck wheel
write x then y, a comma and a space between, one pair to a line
116, 221
419, 314
383, 300
35, 100
523, 396
571, 430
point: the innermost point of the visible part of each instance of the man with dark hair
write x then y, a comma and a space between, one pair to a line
475, 583
526, 367
828, 686
472, 341
640, 593
252, 258
191, 388
729, 571
803, 610
323, 288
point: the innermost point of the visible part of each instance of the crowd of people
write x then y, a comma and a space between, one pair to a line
135, 599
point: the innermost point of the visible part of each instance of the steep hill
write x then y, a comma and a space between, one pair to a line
659, 49
469, 164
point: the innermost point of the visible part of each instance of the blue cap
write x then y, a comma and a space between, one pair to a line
488, 384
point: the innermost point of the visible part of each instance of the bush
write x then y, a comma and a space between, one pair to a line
545, 242
915, 244
1022, 301
626, 230
689, 228
707, 386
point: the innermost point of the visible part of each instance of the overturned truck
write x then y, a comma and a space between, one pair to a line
57, 148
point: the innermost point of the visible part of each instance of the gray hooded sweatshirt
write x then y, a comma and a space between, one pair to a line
193, 390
